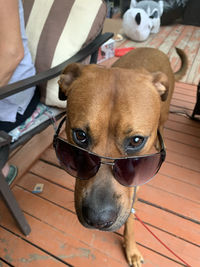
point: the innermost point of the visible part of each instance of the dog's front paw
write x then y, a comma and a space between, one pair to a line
134, 257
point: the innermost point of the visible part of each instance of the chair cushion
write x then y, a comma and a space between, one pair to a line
58, 29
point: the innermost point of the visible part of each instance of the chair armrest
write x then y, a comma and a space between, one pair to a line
19, 86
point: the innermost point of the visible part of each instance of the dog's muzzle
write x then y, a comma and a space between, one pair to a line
99, 219
99, 208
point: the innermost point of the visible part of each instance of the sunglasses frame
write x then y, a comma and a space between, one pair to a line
109, 160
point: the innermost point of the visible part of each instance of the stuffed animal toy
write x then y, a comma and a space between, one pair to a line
141, 19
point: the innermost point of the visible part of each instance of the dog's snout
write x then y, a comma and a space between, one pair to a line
99, 208
99, 219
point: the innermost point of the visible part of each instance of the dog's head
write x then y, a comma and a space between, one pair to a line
114, 113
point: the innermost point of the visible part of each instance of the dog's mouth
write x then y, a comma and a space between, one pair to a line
102, 204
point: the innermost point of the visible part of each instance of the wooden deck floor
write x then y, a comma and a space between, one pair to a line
169, 205
169, 37
184, 37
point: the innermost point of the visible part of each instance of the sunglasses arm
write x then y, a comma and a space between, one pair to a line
57, 131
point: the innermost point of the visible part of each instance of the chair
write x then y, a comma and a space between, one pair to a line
196, 110
89, 44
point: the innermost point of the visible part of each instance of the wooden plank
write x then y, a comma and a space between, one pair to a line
187, 174
186, 91
31, 151
176, 187
3, 263
15, 151
196, 71
154, 40
194, 75
169, 201
183, 149
20, 254
168, 222
185, 37
158, 261
50, 155
52, 192
168, 168
183, 161
67, 222
183, 128
109, 244
182, 105
185, 250
181, 173
66, 199
181, 42
186, 98
182, 119
188, 86
182, 36
131, 43
171, 38
180, 132
182, 138
191, 49
63, 246
53, 174
160, 37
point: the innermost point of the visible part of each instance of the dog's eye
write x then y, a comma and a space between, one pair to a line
135, 143
80, 138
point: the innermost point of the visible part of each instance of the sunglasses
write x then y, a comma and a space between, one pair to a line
128, 171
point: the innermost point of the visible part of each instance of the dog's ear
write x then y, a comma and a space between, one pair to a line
160, 81
70, 73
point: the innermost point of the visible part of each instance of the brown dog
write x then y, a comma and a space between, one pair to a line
115, 112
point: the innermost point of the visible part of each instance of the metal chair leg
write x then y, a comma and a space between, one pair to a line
5, 191
13, 206
196, 110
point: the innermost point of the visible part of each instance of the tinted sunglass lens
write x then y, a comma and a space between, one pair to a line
136, 171
75, 161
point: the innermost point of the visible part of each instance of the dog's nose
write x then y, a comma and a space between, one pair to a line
99, 219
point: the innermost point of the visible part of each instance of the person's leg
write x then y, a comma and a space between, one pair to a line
9, 172
7, 126
5, 170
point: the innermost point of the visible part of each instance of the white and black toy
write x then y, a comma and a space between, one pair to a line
142, 19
